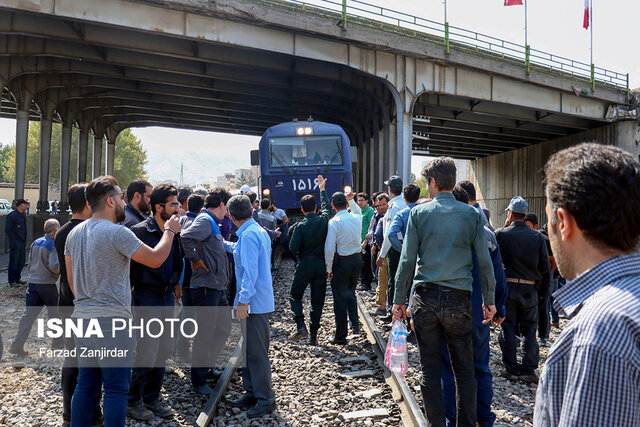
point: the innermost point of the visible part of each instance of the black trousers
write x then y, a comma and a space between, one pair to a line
522, 313
442, 311
346, 271
309, 272
544, 293
393, 257
366, 274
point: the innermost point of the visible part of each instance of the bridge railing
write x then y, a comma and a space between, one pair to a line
460, 38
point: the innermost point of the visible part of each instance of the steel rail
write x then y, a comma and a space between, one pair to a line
412, 409
207, 413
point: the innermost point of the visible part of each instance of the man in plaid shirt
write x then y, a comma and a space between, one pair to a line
592, 374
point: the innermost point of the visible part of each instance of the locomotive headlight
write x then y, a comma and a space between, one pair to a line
266, 192
300, 131
347, 189
308, 131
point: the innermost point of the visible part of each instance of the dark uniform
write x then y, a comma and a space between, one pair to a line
307, 243
525, 259
16, 230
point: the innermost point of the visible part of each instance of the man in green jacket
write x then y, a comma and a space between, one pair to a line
307, 242
366, 274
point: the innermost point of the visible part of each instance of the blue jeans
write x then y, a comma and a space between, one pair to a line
16, 261
214, 327
38, 295
114, 374
484, 378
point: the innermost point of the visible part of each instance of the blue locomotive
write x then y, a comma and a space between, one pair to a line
291, 156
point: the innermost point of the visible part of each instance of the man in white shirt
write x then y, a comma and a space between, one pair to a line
344, 262
387, 253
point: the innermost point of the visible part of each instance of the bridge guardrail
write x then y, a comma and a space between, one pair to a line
448, 35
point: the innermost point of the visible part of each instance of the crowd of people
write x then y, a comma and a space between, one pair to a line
436, 263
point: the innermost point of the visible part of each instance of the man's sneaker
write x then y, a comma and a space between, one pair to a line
18, 351
14, 284
544, 342
261, 409
138, 412
159, 408
337, 341
313, 339
530, 379
244, 402
214, 374
510, 377
204, 390
298, 334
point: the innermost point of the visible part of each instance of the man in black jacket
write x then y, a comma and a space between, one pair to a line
16, 230
154, 292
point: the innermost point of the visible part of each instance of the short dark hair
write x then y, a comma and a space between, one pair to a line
215, 196
98, 190
252, 196
160, 194
487, 213
308, 203
469, 188
265, 203
137, 186
460, 194
518, 216
411, 193
339, 200
183, 193
600, 186
195, 202
363, 195
383, 196
76, 198
374, 196
443, 170
532, 218
240, 207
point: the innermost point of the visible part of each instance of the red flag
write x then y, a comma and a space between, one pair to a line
513, 2
585, 21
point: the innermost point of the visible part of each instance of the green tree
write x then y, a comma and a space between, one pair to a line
422, 183
247, 179
130, 159
129, 163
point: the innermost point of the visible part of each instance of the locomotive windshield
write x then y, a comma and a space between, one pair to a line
305, 151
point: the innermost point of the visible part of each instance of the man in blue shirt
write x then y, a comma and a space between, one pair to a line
253, 302
592, 374
411, 194
16, 230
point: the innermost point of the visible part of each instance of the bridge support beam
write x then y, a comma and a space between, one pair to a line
111, 151
97, 155
373, 162
65, 162
22, 133
405, 148
83, 145
45, 155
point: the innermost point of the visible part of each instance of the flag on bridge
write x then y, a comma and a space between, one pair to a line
585, 20
513, 2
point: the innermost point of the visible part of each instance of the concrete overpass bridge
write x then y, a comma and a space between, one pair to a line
240, 66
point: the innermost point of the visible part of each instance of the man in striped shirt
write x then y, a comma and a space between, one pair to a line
592, 374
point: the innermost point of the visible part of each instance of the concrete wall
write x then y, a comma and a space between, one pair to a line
519, 173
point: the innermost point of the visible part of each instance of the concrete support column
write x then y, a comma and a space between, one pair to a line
97, 155
65, 162
390, 151
407, 149
373, 148
45, 155
111, 151
83, 145
22, 133
384, 152
360, 165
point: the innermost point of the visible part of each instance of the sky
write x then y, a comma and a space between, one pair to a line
554, 26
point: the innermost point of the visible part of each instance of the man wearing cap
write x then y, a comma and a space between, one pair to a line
396, 204
16, 230
343, 261
525, 259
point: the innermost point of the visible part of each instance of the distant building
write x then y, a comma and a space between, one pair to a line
228, 181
